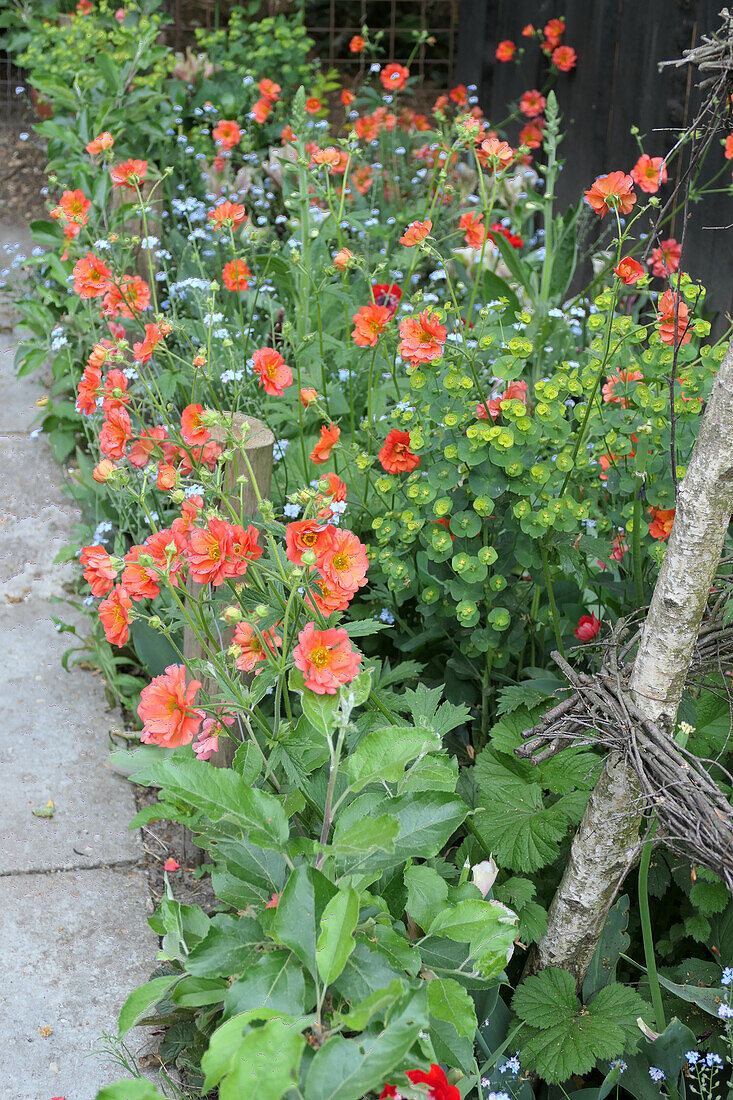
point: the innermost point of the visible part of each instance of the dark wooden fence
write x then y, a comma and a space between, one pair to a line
616, 85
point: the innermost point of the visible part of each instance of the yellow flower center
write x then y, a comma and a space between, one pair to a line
320, 656
340, 562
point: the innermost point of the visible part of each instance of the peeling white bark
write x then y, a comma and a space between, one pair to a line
608, 837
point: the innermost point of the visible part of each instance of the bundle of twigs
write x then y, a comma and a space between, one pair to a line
677, 788
714, 54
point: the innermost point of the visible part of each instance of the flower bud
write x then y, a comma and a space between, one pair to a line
231, 615
484, 875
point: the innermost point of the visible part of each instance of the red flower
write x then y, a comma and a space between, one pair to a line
514, 240
387, 295
553, 31
532, 103
313, 105
649, 173
673, 320
115, 433
227, 215
387, 1092
396, 456
629, 270
505, 50
269, 89
253, 651
531, 134
167, 711
662, 521
307, 534
114, 616
344, 563
142, 448
437, 1082
474, 231
587, 628
193, 431
614, 191
495, 154
728, 151
220, 552
171, 865
357, 44
102, 141
609, 388
89, 383
369, 323
261, 110
322, 450
394, 77
130, 173
236, 275
564, 58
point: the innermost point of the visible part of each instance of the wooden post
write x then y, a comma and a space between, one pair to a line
258, 444
133, 221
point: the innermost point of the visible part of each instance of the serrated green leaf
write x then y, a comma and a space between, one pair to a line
709, 897
226, 1039
229, 946
447, 1000
275, 981
384, 753
302, 904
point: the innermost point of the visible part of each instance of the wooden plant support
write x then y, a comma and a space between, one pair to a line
133, 221
258, 444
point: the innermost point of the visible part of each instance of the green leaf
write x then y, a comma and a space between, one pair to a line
447, 1000
266, 1063
362, 837
346, 1069
357, 1018
384, 753
49, 234
430, 714
196, 992
247, 874
666, 1053
275, 981
427, 820
427, 893
228, 947
222, 793
142, 1000
153, 649
336, 939
302, 904
614, 940
225, 1041
136, 1089
564, 1037
488, 926
447, 959
366, 972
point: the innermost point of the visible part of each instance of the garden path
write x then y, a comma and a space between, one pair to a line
73, 893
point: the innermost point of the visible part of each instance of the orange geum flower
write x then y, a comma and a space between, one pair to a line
167, 477
531, 135
91, 277
335, 487
103, 470
236, 275
666, 259
367, 128
143, 350
496, 154
330, 157
261, 110
459, 95
99, 572
347, 97
345, 563
275, 374
394, 77
115, 433
313, 105
143, 447
269, 89
130, 297
629, 270
193, 431
129, 173
342, 259
564, 58
114, 616
528, 30
227, 215
422, 338
115, 394
361, 178
369, 323
87, 390
141, 579
728, 149
505, 51
357, 43
553, 31
226, 133
612, 192
322, 450
609, 388
305, 535
306, 395
327, 597
76, 206
325, 658
673, 320
474, 231
532, 103
253, 651
167, 709
416, 232
396, 456
100, 142
661, 525
649, 173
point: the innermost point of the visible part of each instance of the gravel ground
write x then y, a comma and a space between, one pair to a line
22, 166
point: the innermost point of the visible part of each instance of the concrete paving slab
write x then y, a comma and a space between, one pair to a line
53, 744
18, 396
72, 946
36, 519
